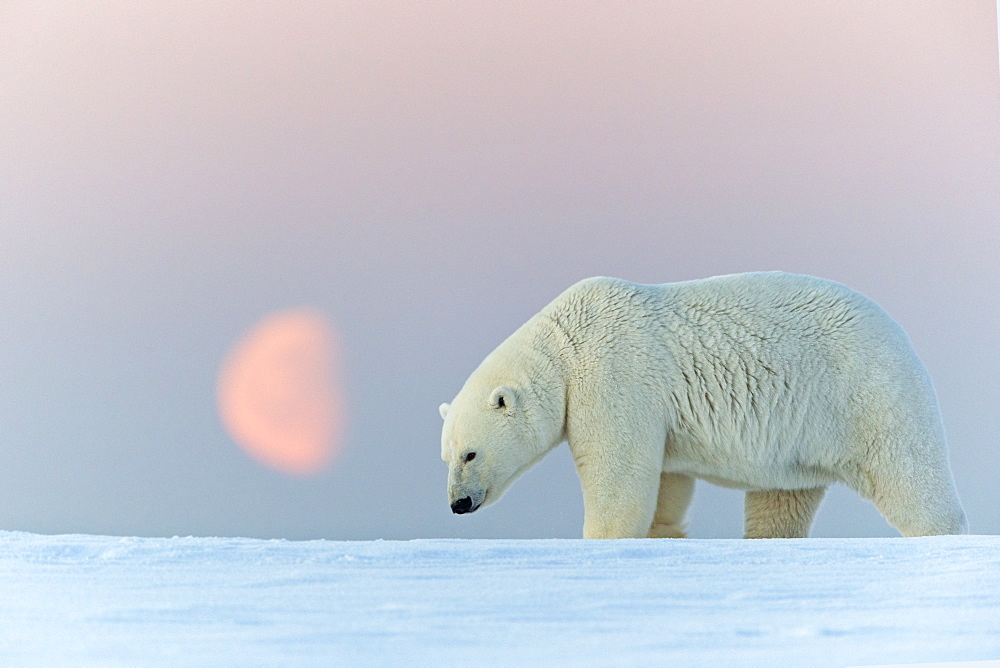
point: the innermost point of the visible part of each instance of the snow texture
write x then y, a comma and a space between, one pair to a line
98, 600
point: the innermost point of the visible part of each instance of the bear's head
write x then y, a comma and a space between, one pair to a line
491, 435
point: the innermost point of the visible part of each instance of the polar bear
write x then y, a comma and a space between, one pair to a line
777, 384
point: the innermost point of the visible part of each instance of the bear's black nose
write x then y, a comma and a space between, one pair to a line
462, 506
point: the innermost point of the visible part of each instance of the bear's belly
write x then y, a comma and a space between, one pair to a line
751, 475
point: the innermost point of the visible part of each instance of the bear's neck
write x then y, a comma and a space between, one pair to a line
596, 302
532, 358
533, 353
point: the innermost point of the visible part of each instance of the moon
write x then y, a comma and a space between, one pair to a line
278, 393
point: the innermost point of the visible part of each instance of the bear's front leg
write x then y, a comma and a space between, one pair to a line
619, 494
674, 498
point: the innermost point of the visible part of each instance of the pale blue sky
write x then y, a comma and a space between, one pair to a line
428, 176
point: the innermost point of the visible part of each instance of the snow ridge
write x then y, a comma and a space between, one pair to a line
103, 600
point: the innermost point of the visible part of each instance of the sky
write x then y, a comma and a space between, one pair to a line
409, 182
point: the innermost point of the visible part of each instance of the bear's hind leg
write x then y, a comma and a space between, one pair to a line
781, 513
921, 501
674, 498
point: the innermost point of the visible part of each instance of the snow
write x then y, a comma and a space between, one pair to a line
99, 600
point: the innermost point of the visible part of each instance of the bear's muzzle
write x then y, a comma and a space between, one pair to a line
463, 506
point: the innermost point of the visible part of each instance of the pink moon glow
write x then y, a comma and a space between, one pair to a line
278, 393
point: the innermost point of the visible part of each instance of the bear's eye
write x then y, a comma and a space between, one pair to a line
469, 457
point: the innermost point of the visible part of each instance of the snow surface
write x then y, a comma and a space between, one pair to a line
102, 600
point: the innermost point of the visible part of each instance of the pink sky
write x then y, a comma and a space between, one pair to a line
427, 175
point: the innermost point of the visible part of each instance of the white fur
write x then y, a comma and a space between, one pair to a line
773, 383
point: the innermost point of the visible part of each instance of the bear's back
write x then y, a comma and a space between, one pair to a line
817, 335
775, 302
766, 304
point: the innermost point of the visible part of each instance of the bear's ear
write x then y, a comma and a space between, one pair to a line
503, 399
443, 410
